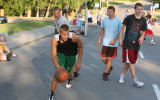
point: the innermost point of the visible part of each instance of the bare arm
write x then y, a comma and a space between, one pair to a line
141, 38
100, 36
80, 46
152, 23
54, 52
120, 34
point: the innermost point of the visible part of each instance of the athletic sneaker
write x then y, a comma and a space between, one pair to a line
78, 33
14, 55
69, 83
152, 43
138, 83
51, 97
9, 56
121, 79
75, 75
105, 76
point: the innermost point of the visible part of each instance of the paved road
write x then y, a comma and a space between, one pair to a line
28, 76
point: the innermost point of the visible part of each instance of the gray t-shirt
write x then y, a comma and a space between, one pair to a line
59, 22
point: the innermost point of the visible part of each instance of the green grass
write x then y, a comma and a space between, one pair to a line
127, 0
16, 27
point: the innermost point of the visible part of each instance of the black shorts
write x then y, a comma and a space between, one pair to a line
90, 20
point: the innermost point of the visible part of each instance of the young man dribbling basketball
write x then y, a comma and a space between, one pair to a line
131, 44
65, 47
111, 26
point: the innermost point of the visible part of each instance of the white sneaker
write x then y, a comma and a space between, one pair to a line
121, 79
14, 55
69, 83
152, 43
138, 83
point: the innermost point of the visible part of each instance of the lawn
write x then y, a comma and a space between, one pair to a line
127, 0
16, 27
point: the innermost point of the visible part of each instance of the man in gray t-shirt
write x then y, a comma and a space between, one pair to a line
59, 19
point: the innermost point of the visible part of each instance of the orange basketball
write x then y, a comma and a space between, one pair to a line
61, 75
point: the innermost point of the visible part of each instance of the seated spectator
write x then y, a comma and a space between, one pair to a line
3, 47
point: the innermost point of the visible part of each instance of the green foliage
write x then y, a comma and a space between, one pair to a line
19, 7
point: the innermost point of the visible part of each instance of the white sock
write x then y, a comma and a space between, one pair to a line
135, 79
122, 75
151, 40
4, 57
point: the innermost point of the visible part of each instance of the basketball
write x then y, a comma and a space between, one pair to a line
61, 75
154, 20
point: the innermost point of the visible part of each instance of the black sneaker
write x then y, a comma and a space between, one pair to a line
75, 75
144, 38
110, 70
9, 56
51, 97
69, 83
105, 76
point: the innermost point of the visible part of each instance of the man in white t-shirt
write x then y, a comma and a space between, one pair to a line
59, 19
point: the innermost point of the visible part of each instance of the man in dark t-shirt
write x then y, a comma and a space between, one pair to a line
131, 44
64, 13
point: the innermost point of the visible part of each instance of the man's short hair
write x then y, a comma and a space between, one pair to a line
64, 27
137, 4
56, 8
111, 8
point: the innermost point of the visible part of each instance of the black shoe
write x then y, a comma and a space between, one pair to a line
51, 97
9, 56
144, 38
105, 76
75, 75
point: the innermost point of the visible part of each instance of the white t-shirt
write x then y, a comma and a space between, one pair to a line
59, 22
80, 17
149, 25
99, 18
89, 14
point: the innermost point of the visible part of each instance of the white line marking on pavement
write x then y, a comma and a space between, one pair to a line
140, 53
157, 91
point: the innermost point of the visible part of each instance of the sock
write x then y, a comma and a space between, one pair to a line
4, 57
122, 75
135, 79
52, 93
151, 40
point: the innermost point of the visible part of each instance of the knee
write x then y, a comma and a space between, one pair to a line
104, 59
109, 59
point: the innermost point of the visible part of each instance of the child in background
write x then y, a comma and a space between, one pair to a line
75, 20
99, 15
79, 23
149, 27
3, 47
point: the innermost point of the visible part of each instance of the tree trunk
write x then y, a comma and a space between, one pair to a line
1, 12
21, 14
48, 9
37, 15
28, 13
